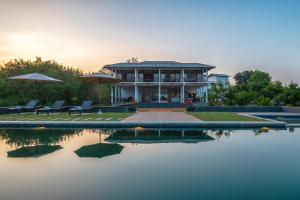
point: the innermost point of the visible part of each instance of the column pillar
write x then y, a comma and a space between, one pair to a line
136, 94
159, 93
206, 94
135, 75
182, 87
111, 95
182, 93
159, 89
120, 94
115, 96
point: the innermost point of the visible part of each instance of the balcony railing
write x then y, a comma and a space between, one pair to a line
165, 79
142, 79
170, 80
195, 79
128, 79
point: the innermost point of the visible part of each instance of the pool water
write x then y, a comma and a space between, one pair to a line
149, 164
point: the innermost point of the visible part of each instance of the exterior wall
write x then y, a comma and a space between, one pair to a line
153, 84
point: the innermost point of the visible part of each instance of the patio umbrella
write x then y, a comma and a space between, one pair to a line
99, 150
100, 78
33, 151
34, 77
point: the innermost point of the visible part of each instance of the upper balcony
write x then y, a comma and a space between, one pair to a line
195, 79
166, 76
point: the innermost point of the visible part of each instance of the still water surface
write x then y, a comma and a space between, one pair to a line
149, 164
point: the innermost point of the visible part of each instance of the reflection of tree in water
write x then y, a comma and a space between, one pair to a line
261, 131
220, 133
102, 131
27, 137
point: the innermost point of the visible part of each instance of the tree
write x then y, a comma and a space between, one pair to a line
291, 95
242, 78
255, 88
258, 80
72, 90
217, 95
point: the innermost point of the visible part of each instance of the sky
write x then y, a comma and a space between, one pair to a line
231, 35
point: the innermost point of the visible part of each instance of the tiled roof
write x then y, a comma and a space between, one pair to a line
158, 64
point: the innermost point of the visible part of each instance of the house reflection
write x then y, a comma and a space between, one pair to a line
140, 135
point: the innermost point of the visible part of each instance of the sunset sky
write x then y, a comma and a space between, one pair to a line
232, 35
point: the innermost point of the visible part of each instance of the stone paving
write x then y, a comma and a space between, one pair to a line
161, 117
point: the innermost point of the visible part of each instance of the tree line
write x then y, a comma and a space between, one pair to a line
71, 89
250, 88
255, 88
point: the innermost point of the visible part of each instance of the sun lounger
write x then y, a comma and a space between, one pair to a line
56, 107
86, 107
29, 107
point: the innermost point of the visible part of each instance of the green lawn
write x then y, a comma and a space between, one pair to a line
223, 116
65, 117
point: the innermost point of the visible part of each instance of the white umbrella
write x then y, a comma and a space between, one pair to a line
34, 77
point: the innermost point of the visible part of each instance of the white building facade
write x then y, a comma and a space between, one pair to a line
219, 78
160, 82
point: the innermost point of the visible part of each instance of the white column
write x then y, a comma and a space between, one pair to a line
159, 89
182, 87
115, 91
206, 94
120, 94
182, 93
111, 95
135, 75
159, 93
159, 76
136, 94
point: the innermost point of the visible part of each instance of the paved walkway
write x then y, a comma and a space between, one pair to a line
160, 117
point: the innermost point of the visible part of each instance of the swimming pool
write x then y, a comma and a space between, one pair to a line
149, 164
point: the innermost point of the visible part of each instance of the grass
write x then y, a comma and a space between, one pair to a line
65, 117
223, 116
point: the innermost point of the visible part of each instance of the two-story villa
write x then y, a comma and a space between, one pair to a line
160, 82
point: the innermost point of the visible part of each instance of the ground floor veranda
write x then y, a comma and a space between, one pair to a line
159, 93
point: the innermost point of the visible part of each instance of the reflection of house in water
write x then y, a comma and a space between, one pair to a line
139, 135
